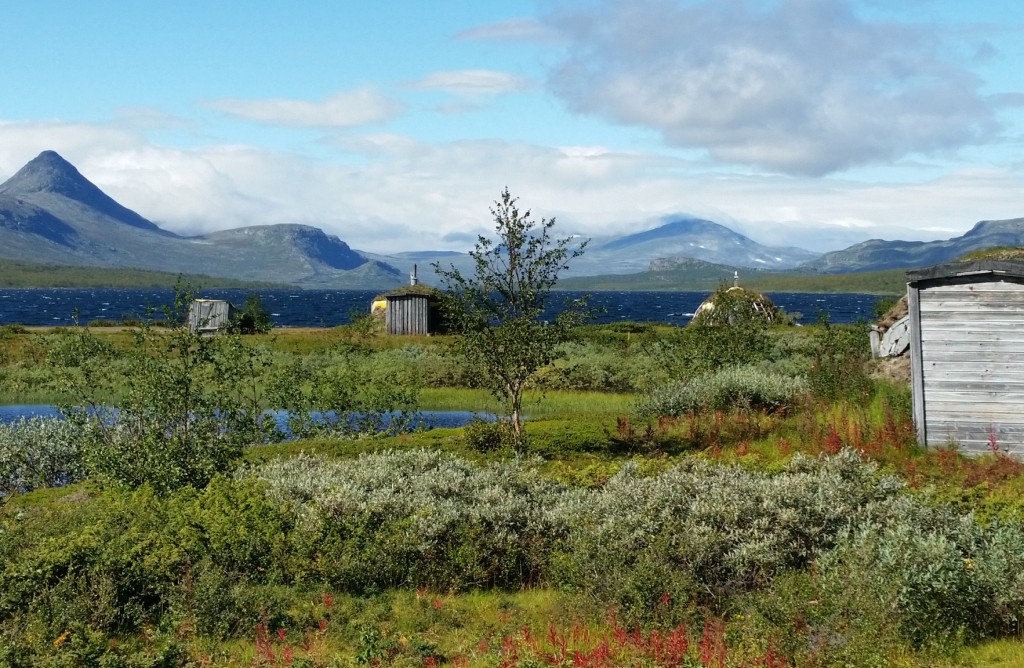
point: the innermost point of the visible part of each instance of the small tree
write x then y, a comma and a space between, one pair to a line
499, 310
253, 318
172, 410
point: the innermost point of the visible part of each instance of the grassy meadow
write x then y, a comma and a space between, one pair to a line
685, 497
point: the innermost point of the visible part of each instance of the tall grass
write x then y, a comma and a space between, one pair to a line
535, 404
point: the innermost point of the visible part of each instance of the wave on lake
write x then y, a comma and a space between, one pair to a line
329, 308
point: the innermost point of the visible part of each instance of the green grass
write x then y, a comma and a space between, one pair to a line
1005, 653
535, 404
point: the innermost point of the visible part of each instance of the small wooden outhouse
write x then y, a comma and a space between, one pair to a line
414, 309
967, 355
208, 316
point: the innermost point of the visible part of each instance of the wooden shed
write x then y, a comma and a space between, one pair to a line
414, 309
967, 355
207, 316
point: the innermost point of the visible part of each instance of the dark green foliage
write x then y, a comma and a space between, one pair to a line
366, 394
735, 307
487, 436
701, 349
498, 311
11, 330
883, 304
191, 404
252, 318
100, 567
839, 367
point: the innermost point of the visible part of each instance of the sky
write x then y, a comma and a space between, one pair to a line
396, 125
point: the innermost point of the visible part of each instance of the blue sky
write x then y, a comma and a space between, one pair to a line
814, 123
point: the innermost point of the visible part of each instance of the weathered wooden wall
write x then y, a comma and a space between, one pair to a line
209, 315
408, 314
969, 367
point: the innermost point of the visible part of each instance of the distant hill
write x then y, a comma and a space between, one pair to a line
684, 236
699, 276
30, 275
693, 238
51, 214
877, 254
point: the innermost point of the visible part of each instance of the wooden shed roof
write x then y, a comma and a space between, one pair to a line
964, 269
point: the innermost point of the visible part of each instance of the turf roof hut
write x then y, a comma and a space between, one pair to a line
413, 309
967, 354
207, 316
735, 306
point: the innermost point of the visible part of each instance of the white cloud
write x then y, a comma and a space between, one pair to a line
473, 83
799, 86
512, 30
346, 109
20, 141
396, 193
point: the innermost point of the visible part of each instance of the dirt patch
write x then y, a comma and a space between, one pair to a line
892, 369
898, 310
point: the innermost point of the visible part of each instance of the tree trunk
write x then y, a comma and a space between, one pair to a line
515, 401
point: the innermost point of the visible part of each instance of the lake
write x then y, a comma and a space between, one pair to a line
423, 420
329, 308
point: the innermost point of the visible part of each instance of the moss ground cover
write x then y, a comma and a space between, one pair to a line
807, 532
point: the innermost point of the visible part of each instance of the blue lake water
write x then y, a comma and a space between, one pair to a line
329, 308
423, 420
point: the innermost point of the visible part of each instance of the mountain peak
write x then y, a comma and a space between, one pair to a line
50, 174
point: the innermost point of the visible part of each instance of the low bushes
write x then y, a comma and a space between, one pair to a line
702, 533
822, 558
39, 452
418, 518
730, 387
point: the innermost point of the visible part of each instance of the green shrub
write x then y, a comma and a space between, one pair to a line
109, 564
487, 435
588, 366
173, 410
418, 518
708, 532
949, 579
854, 628
39, 452
366, 398
731, 387
839, 368
11, 330
252, 318
701, 349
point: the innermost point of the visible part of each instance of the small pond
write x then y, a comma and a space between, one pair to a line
424, 419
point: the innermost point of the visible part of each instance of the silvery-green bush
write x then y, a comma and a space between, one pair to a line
704, 531
419, 517
39, 452
729, 387
947, 577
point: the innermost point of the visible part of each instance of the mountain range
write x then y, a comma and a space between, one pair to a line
51, 213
